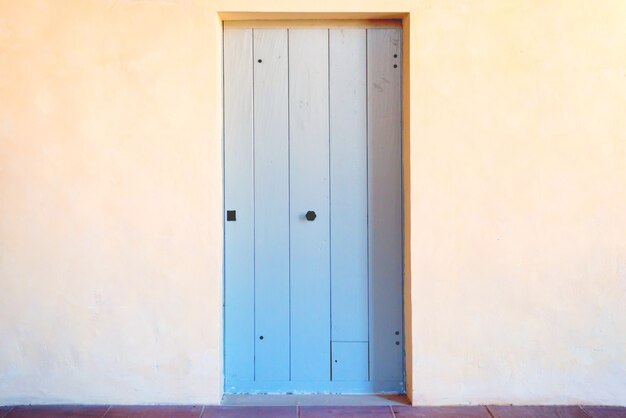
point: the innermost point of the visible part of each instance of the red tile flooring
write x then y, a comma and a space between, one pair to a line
312, 412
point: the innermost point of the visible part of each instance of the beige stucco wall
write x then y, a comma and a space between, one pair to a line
110, 199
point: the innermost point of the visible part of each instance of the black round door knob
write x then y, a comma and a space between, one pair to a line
310, 215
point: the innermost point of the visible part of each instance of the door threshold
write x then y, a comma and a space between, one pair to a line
315, 400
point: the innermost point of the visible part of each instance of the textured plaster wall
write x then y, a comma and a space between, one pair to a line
110, 199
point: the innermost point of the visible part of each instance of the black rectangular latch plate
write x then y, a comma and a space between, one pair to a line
231, 215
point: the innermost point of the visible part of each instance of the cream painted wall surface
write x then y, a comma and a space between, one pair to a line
111, 199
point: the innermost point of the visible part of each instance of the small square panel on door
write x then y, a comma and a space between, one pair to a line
350, 361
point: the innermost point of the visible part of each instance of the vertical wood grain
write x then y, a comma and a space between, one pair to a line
238, 195
310, 265
385, 202
348, 189
271, 197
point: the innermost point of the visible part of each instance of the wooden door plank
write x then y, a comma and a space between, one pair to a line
271, 197
310, 265
385, 202
348, 184
238, 196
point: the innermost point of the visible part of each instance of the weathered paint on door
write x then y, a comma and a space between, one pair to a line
313, 210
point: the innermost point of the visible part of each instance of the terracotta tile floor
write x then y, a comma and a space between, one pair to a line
198, 411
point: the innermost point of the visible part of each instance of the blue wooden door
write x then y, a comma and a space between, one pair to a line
313, 210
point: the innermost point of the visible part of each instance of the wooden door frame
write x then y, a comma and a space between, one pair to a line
277, 19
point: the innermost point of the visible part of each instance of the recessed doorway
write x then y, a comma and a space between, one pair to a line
313, 298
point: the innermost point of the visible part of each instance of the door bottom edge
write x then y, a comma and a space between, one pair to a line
369, 400
314, 388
